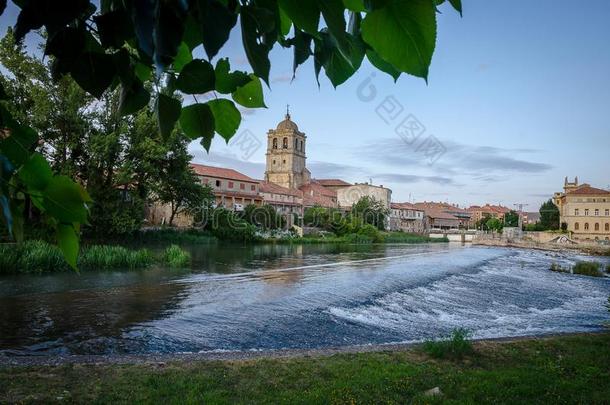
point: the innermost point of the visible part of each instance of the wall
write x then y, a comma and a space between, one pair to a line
348, 196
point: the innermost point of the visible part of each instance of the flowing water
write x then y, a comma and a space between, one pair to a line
311, 296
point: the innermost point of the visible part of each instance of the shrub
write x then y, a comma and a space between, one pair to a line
370, 231
588, 269
358, 238
174, 256
456, 347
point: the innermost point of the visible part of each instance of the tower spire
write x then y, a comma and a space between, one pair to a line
287, 111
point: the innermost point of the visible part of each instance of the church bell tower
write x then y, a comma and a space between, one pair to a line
286, 155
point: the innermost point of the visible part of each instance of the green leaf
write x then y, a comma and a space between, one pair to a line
255, 23
196, 77
251, 94
226, 117
285, 22
304, 14
67, 240
302, 49
133, 98
65, 200
36, 173
143, 72
216, 21
354, 5
197, 120
168, 111
94, 72
457, 5
337, 66
114, 28
403, 33
227, 82
382, 64
183, 57
19, 145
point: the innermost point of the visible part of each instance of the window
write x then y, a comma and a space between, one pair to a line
253, 187
274, 143
597, 226
242, 186
218, 183
576, 226
596, 212
296, 143
576, 212
607, 212
301, 146
285, 143
284, 161
607, 227
230, 184
273, 161
586, 226
586, 211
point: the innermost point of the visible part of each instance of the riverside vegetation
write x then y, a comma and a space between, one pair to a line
592, 269
565, 369
41, 257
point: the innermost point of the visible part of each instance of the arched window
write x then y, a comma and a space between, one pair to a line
301, 146
576, 226
274, 143
296, 144
607, 227
586, 226
597, 226
285, 143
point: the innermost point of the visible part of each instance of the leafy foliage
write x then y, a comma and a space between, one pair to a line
549, 216
174, 256
117, 48
511, 219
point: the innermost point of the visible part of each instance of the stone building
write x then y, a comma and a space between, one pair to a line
585, 210
349, 195
444, 215
407, 218
486, 211
286, 155
232, 189
287, 202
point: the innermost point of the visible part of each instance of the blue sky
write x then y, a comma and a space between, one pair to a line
518, 96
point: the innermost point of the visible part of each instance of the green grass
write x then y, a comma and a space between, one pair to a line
41, 257
592, 269
174, 256
455, 347
572, 369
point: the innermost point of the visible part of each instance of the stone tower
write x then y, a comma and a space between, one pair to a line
286, 155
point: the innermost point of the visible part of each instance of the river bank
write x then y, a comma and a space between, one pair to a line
566, 368
553, 247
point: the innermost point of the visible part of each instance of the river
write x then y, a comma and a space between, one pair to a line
309, 296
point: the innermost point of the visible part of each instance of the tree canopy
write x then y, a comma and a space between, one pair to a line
126, 43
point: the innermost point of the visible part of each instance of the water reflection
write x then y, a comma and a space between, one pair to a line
273, 296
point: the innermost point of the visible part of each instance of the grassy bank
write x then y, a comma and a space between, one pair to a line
572, 369
42, 257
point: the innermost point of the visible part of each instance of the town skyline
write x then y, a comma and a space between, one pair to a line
501, 119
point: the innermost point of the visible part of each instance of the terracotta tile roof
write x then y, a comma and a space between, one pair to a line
586, 189
272, 188
404, 206
332, 182
316, 194
440, 210
220, 172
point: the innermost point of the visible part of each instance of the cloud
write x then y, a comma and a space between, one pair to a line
412, 178
476, 161
320, 169
285, 78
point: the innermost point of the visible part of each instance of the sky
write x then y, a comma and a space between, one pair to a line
518, 97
